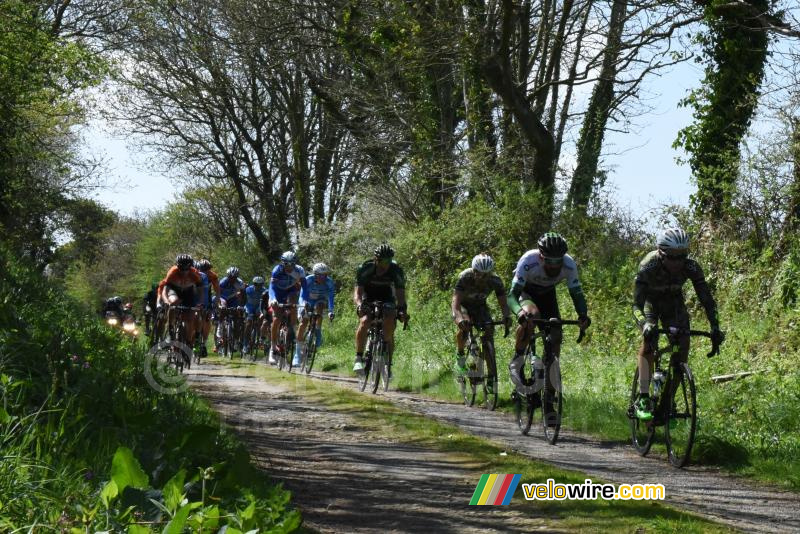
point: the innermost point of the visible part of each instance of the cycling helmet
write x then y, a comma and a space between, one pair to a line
321, 268
289, 257
128, 306
117, 300
482, 263
552, 245
384, 251
184, 261
258, 280
233, 272
204, 265
672, 239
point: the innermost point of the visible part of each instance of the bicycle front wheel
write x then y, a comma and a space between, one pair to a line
523, 411
310, 351
282, 348
553, 402
377, 367
642, 432
490, 383
681, 423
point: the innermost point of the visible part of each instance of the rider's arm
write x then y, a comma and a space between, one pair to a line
575, 289
358, 296
455, 307
331, 293
513, 297
695, 273
401, 298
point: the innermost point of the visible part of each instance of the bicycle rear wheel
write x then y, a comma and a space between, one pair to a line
523, 411
642, 432
681, 423
552, 402
490, 383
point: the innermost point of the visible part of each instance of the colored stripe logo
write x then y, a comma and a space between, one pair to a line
495, 489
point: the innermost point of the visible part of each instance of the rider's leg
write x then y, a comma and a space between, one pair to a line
361, 341
389, 324
298, 346
523, 338
248, 326
461, 342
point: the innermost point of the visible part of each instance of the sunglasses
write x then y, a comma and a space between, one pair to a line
287, 264
553, 261
384, 261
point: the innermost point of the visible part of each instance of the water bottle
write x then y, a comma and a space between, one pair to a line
658, 381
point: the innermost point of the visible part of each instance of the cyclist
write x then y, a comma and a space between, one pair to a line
379, 279
533, 296
149, 305
231, 290
658, 296
210, 282
318, 291
469, 304
287, 280
182, 286
113, 304
252, 307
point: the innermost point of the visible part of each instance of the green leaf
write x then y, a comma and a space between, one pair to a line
249, 511
138, 529
173, 491
109, 493
126, 471
4, 417
175, 526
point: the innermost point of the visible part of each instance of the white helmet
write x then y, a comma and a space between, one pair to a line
258, 280
483, 263
672, 239
321, 268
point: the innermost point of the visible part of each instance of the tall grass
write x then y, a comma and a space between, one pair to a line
73, 396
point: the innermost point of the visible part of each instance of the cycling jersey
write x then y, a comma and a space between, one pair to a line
380, 287
474, 289
229, 290
213, 281
183, 283
657, 290
531, 280
313, 292
253, 297
284, 284
205, 293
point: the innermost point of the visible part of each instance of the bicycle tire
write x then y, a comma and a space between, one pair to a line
377, 366
681, 424
282, 334
470, 389
523, 411
642, 433
386, 369
551, 422
310, 350
490, 377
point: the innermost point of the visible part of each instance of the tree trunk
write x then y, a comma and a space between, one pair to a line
590, 142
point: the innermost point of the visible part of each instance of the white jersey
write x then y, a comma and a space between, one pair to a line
530, 274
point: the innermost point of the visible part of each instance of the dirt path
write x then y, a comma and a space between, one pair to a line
362, 470
343, 478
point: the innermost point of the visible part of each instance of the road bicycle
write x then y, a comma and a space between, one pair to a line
180, 351
674, 396
541, 388
377, 361
481, 364
284, 350
309, 348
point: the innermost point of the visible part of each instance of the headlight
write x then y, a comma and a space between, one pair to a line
129, 326
136, 332
112, 321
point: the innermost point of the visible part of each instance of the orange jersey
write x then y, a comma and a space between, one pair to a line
182, 279
213, 280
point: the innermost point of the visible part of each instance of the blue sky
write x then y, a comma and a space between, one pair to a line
644, 174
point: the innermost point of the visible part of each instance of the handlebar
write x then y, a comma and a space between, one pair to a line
675, 331
492, 323
558, 322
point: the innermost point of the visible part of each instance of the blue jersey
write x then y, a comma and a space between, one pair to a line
282, 285
230, 289
313, 292
252, 297
205, 290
